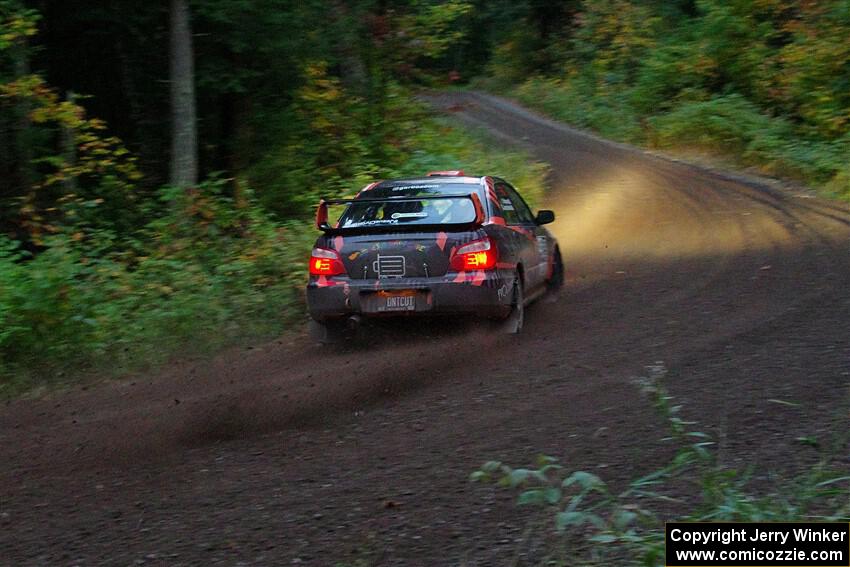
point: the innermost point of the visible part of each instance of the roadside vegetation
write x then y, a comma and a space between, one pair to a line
107, 265
763, 84
585, 521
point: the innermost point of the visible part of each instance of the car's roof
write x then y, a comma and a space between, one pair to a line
432, 180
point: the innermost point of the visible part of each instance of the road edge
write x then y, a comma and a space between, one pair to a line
775, 186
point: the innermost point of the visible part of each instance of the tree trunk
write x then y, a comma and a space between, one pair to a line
184, 136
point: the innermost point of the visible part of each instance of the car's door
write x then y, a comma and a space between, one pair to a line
531, 239
536, 242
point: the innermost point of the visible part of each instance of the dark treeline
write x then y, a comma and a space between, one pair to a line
259, 67
253, 56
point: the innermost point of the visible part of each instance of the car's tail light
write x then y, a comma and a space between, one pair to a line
324, 262
477, 255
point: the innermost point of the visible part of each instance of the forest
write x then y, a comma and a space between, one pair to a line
160, 161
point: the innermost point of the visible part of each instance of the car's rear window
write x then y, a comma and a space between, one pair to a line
411, 212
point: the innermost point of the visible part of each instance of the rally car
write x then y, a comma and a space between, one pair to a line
443, 244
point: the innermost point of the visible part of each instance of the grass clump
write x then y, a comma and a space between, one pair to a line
590, 523
207, 272
729, 127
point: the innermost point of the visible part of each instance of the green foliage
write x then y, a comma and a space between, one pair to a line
433, 28
733, 125
211, 269
729, 122
613, 35
315, 147
72, 160
16, 24
763, 84
601, 526
513, 57
585, 104
814, 77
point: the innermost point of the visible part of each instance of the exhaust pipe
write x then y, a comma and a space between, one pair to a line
354, 322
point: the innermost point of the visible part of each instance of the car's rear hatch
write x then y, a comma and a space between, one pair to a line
410, 232
394, 256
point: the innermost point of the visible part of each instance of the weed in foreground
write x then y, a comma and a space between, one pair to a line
592, 524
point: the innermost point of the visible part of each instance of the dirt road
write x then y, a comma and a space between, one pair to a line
290, 454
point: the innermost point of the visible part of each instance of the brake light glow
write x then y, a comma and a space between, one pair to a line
324, 262
477, 255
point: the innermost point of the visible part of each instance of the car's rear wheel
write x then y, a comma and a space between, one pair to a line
327, 332
513, 323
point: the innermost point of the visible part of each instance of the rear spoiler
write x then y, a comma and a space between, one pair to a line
322, 210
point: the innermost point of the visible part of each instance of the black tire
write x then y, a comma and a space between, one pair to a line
513, 323
556, 280
327, 332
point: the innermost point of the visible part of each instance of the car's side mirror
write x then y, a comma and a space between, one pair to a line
544, 217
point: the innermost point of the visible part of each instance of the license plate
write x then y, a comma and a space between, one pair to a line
396, 301
399, 303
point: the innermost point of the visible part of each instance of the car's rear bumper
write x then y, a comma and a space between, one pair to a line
485, 294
